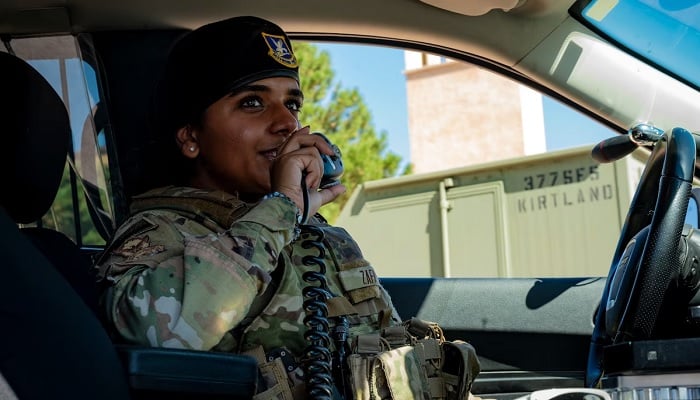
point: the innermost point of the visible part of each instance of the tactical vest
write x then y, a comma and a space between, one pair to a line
273, 330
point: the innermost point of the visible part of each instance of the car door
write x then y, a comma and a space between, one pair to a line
529, 333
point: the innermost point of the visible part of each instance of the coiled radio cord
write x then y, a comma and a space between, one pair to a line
317, 355
321, 367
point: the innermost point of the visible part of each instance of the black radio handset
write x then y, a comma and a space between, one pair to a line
332, 165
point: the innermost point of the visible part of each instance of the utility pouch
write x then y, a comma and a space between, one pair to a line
275, 378
275, 384
361, 364
397, 374
460, 368
411, 361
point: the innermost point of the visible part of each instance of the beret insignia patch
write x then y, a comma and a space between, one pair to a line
280, 50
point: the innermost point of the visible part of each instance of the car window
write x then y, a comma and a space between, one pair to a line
83, 205
467, 172
500, 182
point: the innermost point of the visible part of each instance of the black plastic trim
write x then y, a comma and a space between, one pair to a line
193, 372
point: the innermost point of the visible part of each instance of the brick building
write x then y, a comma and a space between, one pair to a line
445, 99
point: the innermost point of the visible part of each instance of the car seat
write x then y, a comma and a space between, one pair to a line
51, 345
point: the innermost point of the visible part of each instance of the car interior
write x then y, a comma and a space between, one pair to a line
530, 333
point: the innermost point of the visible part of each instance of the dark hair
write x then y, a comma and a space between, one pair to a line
163, 161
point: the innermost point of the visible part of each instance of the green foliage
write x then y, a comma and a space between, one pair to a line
342, 115
61, 217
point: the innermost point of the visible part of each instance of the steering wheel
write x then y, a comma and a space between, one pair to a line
648, 253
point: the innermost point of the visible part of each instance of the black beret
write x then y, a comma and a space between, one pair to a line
211, 61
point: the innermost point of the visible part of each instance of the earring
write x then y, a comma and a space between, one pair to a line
191, 148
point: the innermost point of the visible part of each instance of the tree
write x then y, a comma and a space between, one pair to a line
342, 115
61, 216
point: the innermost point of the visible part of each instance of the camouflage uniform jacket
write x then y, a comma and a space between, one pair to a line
184, 269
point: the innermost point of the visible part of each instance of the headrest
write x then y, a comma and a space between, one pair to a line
36, 130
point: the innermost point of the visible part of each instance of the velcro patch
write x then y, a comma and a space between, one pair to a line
360, 283
358, 278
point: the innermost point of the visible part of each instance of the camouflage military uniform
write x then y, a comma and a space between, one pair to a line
184, 270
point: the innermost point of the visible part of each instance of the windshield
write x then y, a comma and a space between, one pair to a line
663, 32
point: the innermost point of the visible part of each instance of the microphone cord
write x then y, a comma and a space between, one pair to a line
322, 368
317, 357
305, 197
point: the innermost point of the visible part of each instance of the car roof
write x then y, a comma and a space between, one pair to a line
504, 37
537, 42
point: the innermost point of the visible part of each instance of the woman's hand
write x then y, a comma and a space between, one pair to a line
300, 157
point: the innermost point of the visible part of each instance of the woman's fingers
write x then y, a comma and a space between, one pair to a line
303, 138
300, 158
317, 198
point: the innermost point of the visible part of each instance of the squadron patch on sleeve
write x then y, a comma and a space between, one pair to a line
138, 247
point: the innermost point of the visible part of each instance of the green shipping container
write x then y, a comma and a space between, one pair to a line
556, 214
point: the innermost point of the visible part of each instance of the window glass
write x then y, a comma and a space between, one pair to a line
691, 216
82, 208
499, 179
467, 172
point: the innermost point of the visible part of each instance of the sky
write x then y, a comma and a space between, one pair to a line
377, 72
